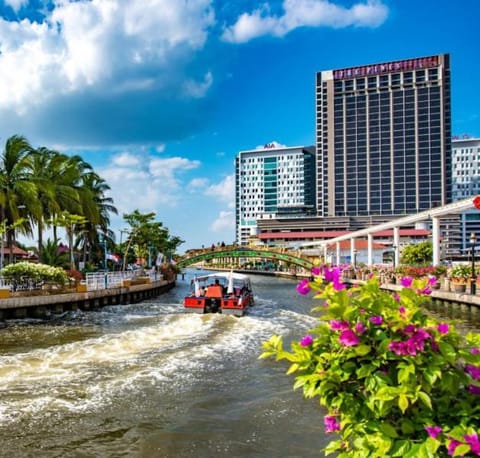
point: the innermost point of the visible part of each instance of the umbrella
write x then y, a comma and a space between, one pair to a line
197, 287
230, 283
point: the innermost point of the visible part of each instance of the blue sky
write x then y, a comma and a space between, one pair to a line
160, 95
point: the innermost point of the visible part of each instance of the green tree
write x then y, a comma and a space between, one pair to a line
52, 256
18, 192
419, 254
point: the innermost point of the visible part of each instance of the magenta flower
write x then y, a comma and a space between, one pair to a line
306, 341
406, 282
360, 328
378, 320
316, 270
331, 424
442, 328
425, 291
338, 285
303, 287
336, 325
432, 280
397, 298
472, 440
473, 389
401, 309
452, 445
475, 351
348, 338
433, 431
473, 371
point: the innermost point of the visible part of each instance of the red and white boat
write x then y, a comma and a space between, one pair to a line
221, 292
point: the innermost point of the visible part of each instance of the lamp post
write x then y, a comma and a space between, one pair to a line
473, 280
394, 256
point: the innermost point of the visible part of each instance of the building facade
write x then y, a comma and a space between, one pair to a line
270, 182
466, 183
383, 138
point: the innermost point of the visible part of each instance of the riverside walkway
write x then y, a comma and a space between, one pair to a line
41, 304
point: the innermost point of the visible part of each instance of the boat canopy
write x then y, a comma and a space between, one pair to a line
223, 275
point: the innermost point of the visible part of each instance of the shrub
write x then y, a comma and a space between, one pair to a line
22, 271
394, 382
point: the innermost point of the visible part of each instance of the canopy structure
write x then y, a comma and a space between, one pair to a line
434, 214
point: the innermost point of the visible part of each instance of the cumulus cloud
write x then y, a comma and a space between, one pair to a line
223, 191
304, 13
224, 222
126, 58
145, 182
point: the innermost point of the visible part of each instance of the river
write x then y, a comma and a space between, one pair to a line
149, 380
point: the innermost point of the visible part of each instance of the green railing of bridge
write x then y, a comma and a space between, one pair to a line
208, 255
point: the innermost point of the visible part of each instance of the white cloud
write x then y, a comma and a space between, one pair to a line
224, 222
301, 13
145, 182
106, 46
126, 160
223, 191
197, 184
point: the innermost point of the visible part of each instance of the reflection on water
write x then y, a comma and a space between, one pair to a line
149, 380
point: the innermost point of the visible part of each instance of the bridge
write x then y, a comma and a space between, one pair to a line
244, 252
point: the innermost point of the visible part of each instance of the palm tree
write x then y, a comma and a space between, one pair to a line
18, 192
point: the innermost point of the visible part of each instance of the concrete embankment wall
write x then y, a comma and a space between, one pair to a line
43, 306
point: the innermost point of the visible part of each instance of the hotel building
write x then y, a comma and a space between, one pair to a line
383, 138
271, 182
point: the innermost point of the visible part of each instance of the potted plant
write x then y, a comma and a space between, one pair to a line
460, 275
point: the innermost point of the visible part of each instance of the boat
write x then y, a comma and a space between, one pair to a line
229, 293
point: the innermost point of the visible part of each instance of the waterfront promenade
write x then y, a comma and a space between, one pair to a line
31, 305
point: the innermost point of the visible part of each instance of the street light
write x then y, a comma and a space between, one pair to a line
473, 280
394, 257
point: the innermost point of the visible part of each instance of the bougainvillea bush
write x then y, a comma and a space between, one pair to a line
393, 381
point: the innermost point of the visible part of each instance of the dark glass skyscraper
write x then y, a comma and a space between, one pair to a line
383, 138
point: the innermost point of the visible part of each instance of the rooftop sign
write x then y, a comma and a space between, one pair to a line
388, 67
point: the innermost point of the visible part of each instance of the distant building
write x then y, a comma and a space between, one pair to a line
270, 182
466, 183
383, 138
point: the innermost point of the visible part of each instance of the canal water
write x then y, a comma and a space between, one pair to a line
149, 380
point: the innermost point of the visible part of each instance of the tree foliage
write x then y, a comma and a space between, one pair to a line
419, 254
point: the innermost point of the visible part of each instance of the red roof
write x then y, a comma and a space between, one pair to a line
333, 234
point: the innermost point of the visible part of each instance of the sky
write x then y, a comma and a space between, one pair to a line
159, 96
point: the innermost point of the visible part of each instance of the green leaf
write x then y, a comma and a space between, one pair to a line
461, 450
447, 351
362, 350
403, 403
400, 448
292, 368
388, 430
425, 398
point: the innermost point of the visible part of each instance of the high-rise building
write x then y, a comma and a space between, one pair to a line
270, 182
383, 138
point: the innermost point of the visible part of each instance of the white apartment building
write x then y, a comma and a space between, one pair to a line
270, 182
466, 183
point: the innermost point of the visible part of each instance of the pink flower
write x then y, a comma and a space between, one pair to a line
452, 445
306, 341
378, 320
360, 328
475, 351
474, 389
336, 325
338, 285
425, 291
472, 440
432, 280
433, 431
348, 338
401, 309
442, 328
316, 271
473, 371
331, 424
303, 287
406, 282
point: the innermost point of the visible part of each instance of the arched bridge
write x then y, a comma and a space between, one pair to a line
241, 252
